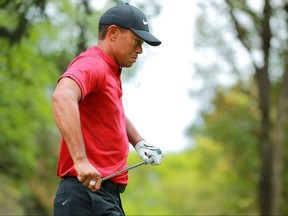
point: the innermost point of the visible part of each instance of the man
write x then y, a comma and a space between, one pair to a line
88, 110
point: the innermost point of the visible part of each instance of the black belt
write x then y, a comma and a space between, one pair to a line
109, 185
119, 188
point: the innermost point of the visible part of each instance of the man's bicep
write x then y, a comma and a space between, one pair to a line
70, 86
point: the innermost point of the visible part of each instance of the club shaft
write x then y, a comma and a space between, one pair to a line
124, 170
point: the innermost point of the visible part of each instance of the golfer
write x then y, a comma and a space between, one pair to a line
88, 111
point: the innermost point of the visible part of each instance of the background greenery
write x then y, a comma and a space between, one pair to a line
238, 156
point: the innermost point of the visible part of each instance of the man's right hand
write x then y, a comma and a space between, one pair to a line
88, 175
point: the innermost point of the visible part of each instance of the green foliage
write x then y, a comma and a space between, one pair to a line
233, 125
245, 41
199, 181
24, 105
27, 77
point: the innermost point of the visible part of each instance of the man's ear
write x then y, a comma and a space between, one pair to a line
113, 32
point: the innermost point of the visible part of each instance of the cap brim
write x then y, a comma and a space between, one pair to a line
147, 37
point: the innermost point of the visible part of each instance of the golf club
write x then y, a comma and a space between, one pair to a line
149, 160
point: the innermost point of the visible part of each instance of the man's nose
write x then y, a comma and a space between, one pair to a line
139, 49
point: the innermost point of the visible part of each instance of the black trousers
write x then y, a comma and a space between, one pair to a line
73, 198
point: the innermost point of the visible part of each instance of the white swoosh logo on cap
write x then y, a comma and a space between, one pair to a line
145, 22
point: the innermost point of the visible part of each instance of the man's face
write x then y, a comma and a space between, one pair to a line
127, 47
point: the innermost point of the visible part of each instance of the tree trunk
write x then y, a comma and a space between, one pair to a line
278, 137
263, 83
265, 187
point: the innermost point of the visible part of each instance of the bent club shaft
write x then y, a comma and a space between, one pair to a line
125, 170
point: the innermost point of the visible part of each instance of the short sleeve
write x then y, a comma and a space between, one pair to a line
87, 73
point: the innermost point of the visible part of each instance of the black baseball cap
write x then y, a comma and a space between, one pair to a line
130, 17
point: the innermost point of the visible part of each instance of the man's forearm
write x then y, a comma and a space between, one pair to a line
133, 135
66, 115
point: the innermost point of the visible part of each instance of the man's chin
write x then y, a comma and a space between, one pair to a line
128, 65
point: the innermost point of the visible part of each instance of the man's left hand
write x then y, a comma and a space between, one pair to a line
146, 151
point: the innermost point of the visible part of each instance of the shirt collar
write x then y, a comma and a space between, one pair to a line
106, 57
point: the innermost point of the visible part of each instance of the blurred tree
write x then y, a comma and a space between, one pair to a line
21, 14
251, 40
232, 125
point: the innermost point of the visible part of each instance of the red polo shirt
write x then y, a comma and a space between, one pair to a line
103, 121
